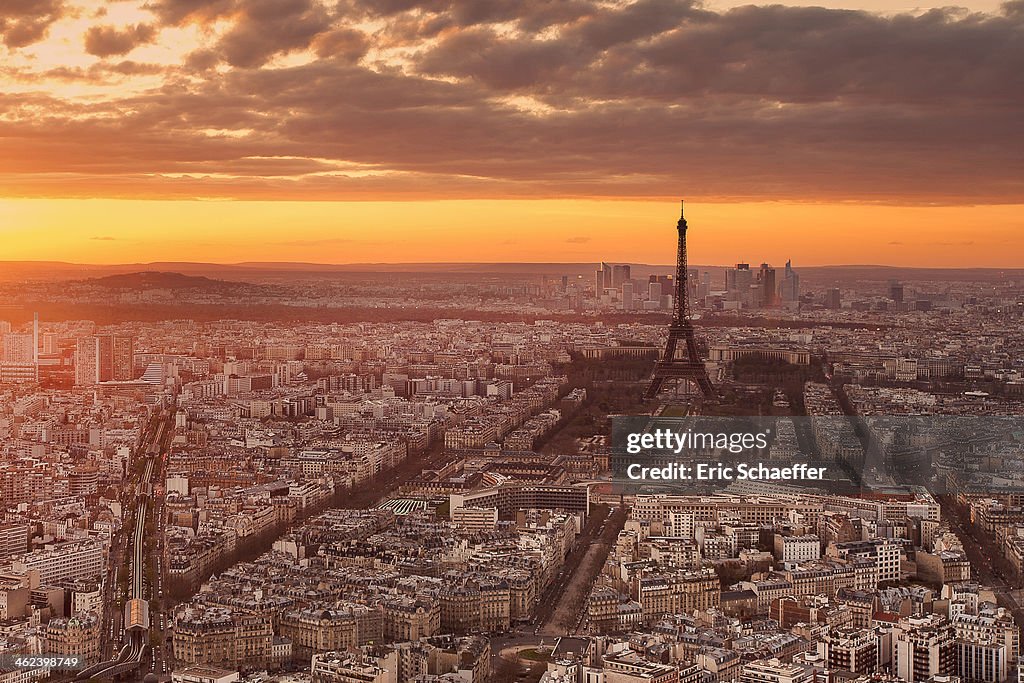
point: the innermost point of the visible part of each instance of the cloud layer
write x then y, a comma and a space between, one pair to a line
23, 22
521, 98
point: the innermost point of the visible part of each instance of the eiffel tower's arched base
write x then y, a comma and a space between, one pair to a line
678, 387
681, 368
682, 386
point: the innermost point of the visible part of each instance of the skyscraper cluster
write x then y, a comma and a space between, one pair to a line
104, 358
611, 277
746, 288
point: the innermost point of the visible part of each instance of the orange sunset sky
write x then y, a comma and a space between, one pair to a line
858, 131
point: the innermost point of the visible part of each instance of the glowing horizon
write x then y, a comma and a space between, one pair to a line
336, 133
504, 231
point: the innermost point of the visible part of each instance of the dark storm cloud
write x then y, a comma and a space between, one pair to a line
636, 22
201, 60
507, 65
175, 12
268, 27
412, 20
777, 53
463, 13
23, 22
344, 42
128, 67
99, 73
641, 100
106, 41
795, 54
261, 28
530, 15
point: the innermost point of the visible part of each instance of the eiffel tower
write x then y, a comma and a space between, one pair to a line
680, 366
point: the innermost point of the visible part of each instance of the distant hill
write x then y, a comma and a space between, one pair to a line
154, 279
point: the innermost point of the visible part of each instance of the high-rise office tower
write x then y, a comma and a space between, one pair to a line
833, 299
766, 278
789, 288
739, 279
740, 286
627, 295
604, 279
654, 291
122, 353
693, 287
18, 348
103, 358
896, 291
620, 274
85, 361
49, 344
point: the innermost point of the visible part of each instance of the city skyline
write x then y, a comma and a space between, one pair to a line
363, 341
324, 476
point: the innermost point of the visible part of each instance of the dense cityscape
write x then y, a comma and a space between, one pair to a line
367, 341
389, 500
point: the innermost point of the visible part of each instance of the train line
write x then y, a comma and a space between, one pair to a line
136, 617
